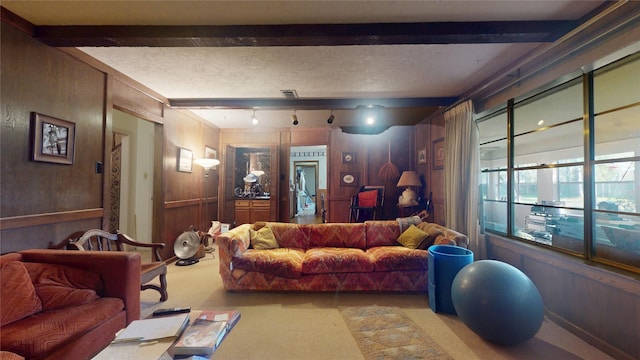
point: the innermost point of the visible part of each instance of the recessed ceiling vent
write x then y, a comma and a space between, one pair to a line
289, 94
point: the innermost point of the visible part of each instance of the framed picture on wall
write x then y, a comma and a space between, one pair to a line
185, 160
348, 158
348, 178
438, 154
211, 153
422, 156
52, 140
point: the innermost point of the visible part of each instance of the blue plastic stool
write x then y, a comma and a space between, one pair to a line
444, 263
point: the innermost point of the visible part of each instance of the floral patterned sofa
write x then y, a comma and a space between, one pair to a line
332, 257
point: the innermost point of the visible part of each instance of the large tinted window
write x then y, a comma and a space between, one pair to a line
572, 181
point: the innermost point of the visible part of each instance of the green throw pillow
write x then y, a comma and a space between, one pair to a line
263, 239
412, 237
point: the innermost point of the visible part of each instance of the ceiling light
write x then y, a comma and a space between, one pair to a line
254, 120
540, 123
294, 118
331, 118
370, 120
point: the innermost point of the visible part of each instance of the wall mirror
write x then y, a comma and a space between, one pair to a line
252, 172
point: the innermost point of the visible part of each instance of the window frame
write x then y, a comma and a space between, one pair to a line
588, 176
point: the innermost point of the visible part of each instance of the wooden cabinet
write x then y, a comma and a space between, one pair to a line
249, 211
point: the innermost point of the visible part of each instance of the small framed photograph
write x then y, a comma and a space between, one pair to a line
438, 154
185, 160
348, 179
224, 228
348, 158
422, 156
210, 153
52, 140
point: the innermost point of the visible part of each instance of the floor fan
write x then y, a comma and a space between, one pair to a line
186, 247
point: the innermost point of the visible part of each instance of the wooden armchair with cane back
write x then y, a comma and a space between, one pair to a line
100, 240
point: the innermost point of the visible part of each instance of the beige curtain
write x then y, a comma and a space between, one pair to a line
462, 175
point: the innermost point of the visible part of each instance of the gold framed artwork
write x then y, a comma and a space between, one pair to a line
422, 156
438, 154
185, 160
348, 158
348, 178
52, 139
211, 153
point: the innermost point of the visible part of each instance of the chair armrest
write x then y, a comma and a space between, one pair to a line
155, 247
120, 271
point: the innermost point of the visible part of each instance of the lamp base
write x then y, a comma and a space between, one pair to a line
409, 197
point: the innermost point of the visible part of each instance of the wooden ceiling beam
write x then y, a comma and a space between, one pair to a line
305, 34
311, 104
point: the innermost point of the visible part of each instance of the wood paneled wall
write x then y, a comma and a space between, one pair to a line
600, 306
44, 202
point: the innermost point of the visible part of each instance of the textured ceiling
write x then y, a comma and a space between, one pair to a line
328, 72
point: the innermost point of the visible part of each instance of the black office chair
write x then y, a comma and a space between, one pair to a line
367, 204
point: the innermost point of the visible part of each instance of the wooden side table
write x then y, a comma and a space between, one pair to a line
407, 210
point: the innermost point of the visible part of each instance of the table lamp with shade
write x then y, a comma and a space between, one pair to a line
409, 179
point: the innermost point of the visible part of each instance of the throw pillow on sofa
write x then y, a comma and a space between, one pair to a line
19, 298
263, 239
412, 237
432, 236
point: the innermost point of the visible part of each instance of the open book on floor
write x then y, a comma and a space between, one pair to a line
206, 332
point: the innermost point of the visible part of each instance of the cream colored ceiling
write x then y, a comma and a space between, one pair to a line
388, 71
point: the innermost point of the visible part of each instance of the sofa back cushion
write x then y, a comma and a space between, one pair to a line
60, 286
19, 298
382, 233
290, 235
344, 235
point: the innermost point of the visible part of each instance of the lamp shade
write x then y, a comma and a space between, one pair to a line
207, 163
409, 178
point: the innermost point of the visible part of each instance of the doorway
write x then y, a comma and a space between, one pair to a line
306, 187
307, 183
132, 163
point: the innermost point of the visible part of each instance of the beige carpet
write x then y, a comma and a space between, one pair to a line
310, 326
385, 332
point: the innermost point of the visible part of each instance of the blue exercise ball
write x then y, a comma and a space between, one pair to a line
498, 302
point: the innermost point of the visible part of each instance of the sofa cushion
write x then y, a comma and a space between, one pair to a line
342, 235
23, 301
382, 232
336, 260
263, 239
412, 238
50, 330
433, 233
290, 235
395, 258
60, 286
284, 262
368, 198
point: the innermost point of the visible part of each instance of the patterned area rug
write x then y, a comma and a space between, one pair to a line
385, 332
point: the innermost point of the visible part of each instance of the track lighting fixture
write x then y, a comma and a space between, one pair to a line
331, 118
294, 118
254, 120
